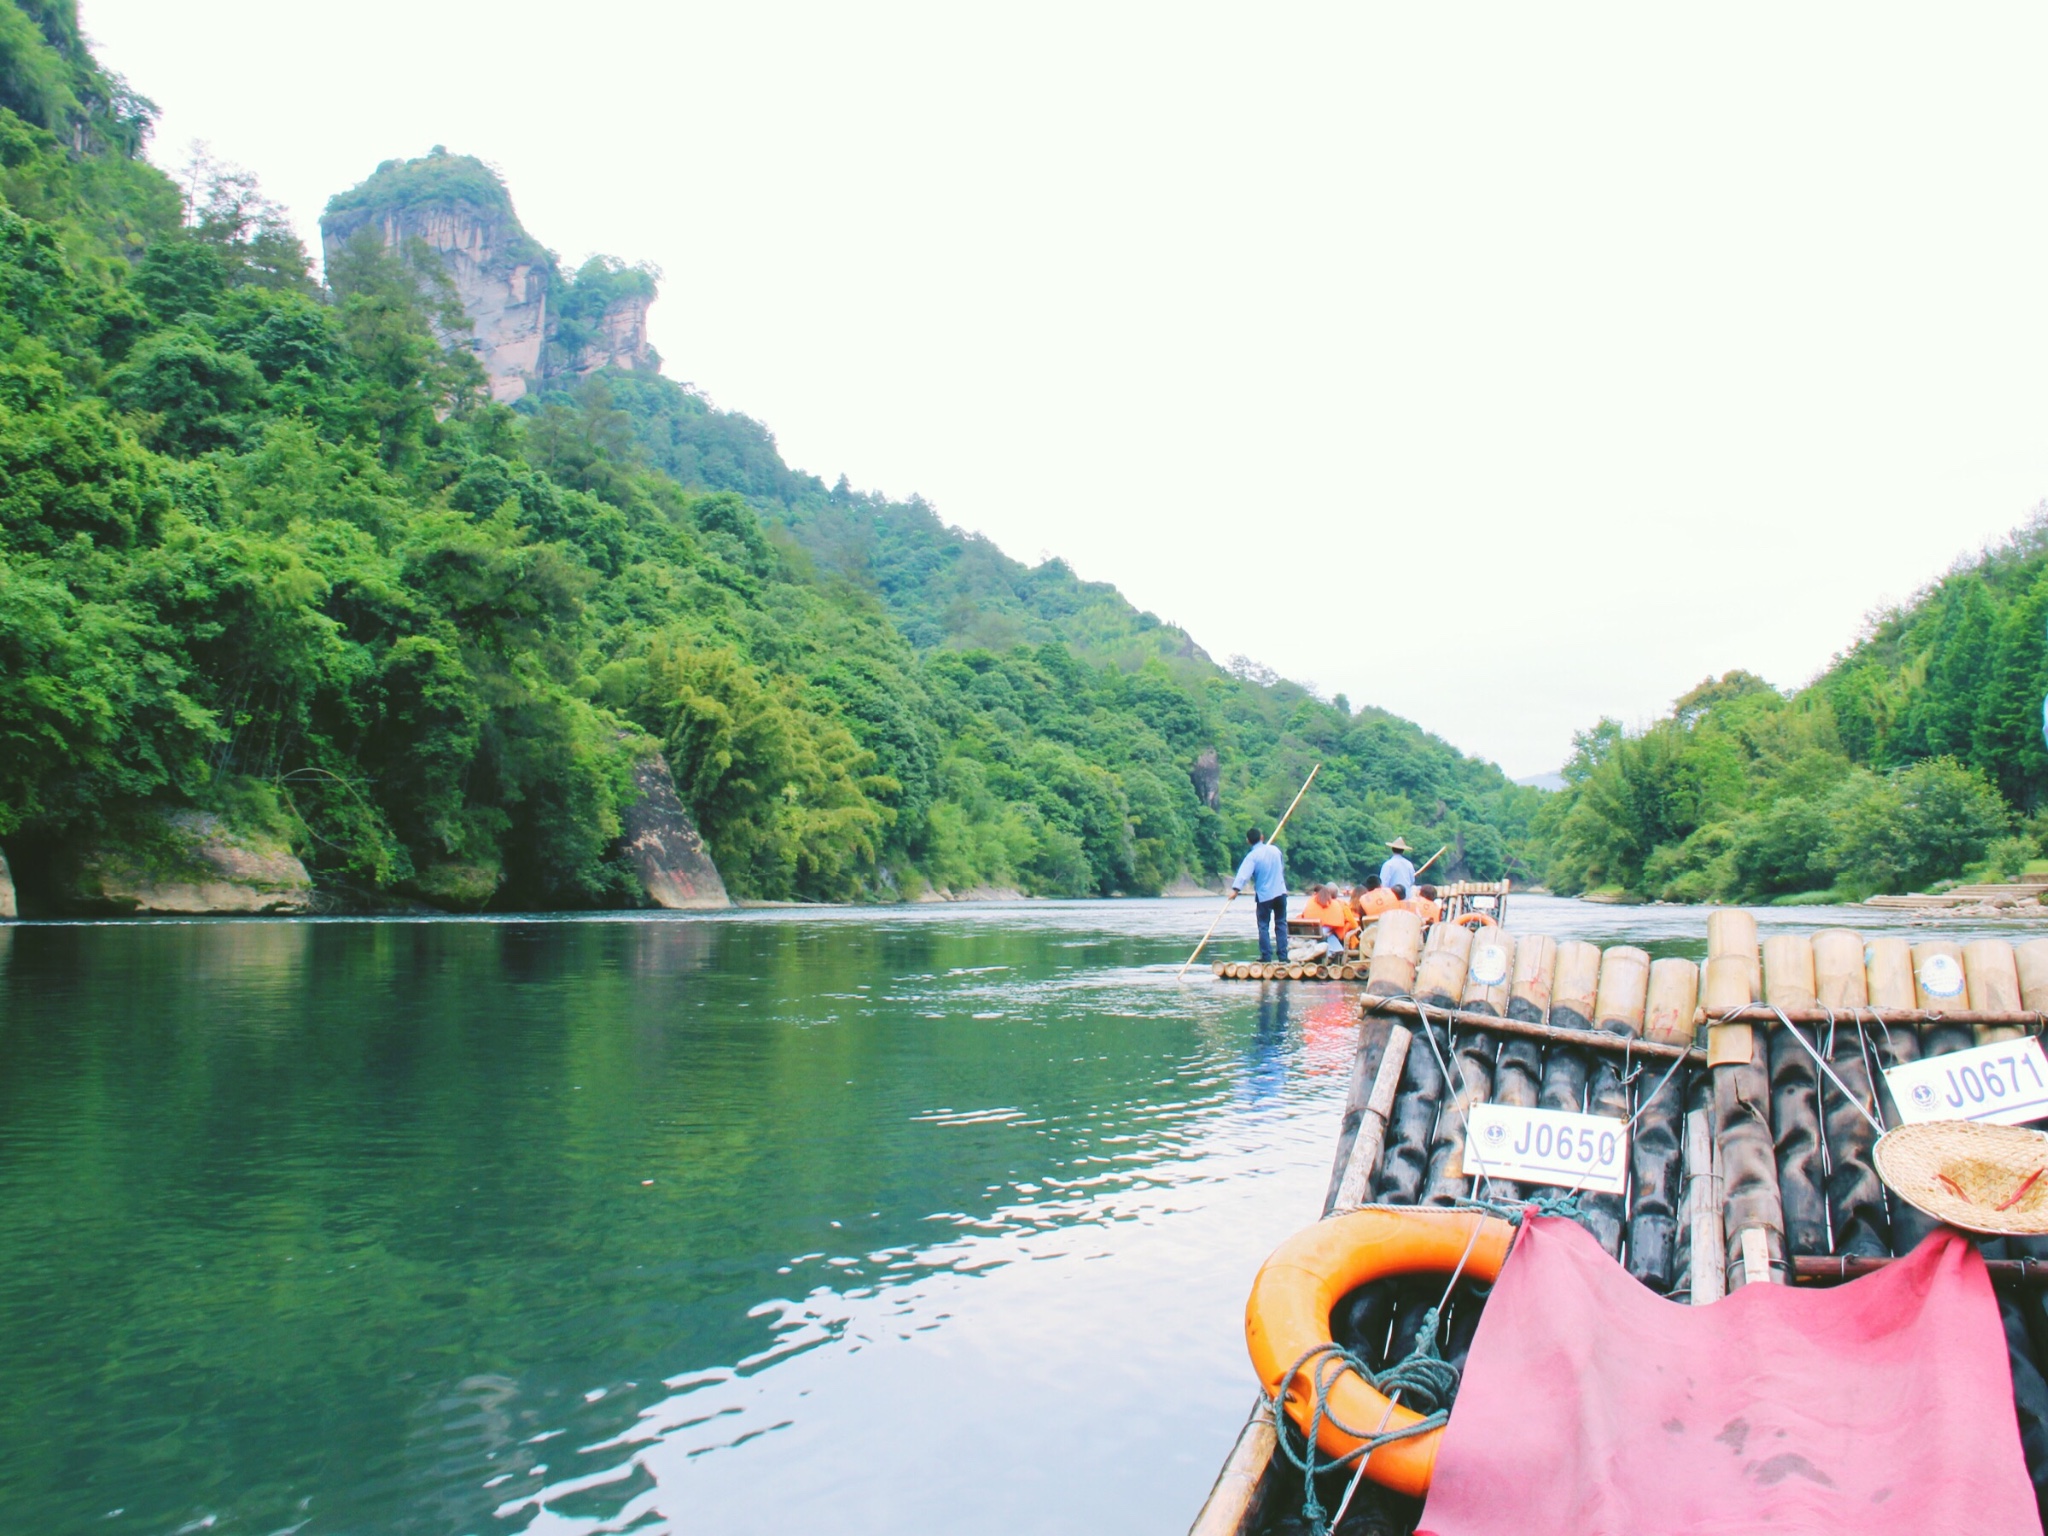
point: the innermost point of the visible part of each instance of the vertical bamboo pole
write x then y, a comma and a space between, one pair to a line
1707, 1259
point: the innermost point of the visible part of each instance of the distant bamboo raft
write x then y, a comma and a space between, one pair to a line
1293, 970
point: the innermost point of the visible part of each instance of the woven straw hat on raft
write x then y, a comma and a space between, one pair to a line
1399, 845
1982, 1178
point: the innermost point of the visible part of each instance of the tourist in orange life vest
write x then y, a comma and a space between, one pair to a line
1373, 899
1425, 905
1334, 915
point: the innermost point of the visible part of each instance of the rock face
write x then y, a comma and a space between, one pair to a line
619, 339
512, 289
9, 907
660, 841
190, 862
505, 298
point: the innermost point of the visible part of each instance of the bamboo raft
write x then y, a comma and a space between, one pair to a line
1481, 902
1749, 1162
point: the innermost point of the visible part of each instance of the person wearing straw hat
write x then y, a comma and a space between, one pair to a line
1399, 868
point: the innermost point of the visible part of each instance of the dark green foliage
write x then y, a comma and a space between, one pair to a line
1909, 760
264, 545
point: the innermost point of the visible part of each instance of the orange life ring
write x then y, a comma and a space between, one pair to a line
1477, 920
1289, 1314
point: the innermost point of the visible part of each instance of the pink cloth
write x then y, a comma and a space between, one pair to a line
1592, 1407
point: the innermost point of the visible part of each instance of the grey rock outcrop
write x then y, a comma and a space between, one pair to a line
530, 322
9, 907
187, 862
660, 841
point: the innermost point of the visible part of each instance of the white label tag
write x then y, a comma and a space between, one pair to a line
1489, 964
2006, 1084
1941, 976
1547, 1146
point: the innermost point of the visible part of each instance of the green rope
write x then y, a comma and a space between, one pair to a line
1422, 1380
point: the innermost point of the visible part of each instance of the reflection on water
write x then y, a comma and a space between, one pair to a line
796, 1219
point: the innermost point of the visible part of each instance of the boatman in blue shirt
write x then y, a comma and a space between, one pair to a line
1399, 868
1267, 876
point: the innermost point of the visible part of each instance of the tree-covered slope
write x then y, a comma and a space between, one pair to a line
1916, 755
269, 548
943, 587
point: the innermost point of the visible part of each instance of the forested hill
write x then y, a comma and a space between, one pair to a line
299, 555
1916, 756
942, 586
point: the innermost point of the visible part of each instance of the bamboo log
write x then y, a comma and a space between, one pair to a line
1396, 949
1535, 968
1471, 1083
1562, 1085
1829, 1269
1404, 1161
1796, 1133
1993, 979
1239, 1494
2025, 1019
2031, 961
1938, 980
1576, 984
1619, 999
1731, 933
1624, 990
1888, 971
1840, 981
1724, 986
1707, 1259
1856, 1196
1592, 1039
1656, 1178
1788, 972
1489, 972
1752, 1215
1440, 979
1672, 1002
1357, 1162
1908, 1224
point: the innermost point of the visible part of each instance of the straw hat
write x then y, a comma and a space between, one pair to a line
1399, 845
1982, 1178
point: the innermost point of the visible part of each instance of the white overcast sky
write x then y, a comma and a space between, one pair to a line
1505, 366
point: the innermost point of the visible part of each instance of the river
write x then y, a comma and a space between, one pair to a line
848, 1220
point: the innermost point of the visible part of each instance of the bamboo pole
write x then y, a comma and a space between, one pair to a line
1759, 1014
1595, 1039
1823, 1268
1708, 1260
1191, 959
1361, 1158
1431, 860
1234, 1503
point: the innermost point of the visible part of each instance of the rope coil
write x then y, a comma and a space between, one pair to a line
1427, 1381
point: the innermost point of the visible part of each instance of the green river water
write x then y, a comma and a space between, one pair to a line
930, 1219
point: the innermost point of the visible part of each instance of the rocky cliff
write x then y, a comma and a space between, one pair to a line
660, 841
531, 322
184, 861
